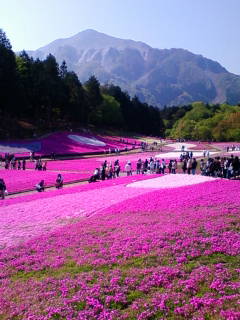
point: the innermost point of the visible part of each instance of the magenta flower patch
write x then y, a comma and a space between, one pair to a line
125, 253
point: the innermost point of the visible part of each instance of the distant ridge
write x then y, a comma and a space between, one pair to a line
158, 76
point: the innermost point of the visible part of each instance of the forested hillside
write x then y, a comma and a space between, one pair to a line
204, 122
41, 96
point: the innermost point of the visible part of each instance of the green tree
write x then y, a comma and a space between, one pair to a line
63, 69
75, 105
8, 77
111, 112
24, 70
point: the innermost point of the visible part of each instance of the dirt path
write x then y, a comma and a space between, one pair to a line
47, 189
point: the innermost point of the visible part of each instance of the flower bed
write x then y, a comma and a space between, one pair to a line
170, 181
167, 254
20, 180
32, 215
223, 145
81, 165
89, 164
64, 143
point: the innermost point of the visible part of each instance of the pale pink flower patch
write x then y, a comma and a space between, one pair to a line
171, 181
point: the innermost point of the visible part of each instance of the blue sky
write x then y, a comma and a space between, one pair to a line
207, 27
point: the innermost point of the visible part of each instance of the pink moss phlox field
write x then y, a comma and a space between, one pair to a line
21, 220
60, 143
76, 189
88, 165
78, 165
224, 145
20, 180
164, 254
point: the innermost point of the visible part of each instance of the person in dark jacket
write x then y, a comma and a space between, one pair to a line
24, 164
194, 166
2, 188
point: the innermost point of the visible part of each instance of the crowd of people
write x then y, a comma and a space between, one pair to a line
224, 167
152, 165
10, 162
40, 165
233, 148
106, 171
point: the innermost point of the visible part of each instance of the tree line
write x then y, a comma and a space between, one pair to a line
200, 121
50, 97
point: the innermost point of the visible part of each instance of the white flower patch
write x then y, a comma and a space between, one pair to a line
176, 154
84, 140
178, 146
19, 147
171, 181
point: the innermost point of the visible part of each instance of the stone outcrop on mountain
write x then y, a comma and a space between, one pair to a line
157, 76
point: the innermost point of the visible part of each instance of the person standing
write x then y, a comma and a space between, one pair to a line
194, 166
184, 166
2, 188
19, 165
202, 167
162, 166
103, 172
44, 166
24, 164
170, 166
174, 166
189, 165
117, 169
128, 168
139, 165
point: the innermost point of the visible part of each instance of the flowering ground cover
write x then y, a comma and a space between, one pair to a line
81, 165
133, 158
170, 181
23, 218
20, 180
191, 145
223, 145
177, 146
160, 254
89, 164
176, 154
63, 143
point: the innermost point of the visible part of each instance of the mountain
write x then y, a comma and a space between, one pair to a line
157, 76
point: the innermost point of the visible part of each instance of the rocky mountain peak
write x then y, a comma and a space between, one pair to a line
158, 76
